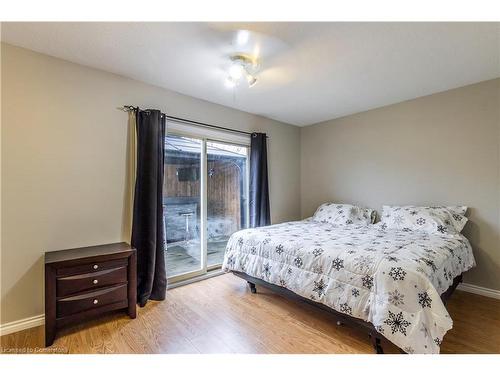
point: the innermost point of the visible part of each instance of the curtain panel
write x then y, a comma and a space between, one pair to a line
260, 214
147, 223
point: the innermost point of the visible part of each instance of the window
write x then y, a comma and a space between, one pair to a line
205, 197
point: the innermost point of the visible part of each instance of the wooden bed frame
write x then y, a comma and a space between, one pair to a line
342, 319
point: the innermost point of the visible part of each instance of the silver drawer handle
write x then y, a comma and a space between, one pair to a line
95, 281
96, 266
96, 301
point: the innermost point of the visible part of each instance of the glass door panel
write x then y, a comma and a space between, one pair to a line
226, 196
182, 205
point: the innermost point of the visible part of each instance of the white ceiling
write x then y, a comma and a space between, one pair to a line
311, 72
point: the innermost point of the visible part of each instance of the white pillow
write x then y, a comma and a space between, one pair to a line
435, 219
334, 213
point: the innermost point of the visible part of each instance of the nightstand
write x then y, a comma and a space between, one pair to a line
83, 283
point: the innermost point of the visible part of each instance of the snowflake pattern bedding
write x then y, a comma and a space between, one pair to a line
389, 277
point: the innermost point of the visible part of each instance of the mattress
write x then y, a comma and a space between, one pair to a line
391, 278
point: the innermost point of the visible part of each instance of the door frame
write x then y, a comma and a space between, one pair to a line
205, 135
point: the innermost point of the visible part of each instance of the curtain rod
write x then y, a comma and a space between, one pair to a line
128, 108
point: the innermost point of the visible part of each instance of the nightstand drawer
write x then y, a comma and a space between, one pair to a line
82, 302
78, 283
91, 267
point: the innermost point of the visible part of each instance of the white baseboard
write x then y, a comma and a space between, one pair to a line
22, 324
492, 293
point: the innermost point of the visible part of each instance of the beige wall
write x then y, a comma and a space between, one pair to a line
64, 162
439, 149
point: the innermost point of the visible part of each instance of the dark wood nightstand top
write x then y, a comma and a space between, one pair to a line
87, 252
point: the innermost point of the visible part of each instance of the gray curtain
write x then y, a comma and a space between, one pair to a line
147, 224
260, 214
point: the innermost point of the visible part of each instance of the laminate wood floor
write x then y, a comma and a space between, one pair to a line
220, 315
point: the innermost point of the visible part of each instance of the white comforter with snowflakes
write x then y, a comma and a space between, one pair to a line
391, 278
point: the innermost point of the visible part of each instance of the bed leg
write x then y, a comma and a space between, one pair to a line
376, 344
253, 289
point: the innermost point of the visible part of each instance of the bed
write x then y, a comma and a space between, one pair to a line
391, 282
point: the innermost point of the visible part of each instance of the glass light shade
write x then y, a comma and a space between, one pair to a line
229, 82
251, 80
236, 71
242, 37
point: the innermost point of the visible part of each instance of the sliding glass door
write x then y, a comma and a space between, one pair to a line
182, 205
205, 201
226, 197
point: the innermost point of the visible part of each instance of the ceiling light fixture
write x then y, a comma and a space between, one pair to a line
242, 66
